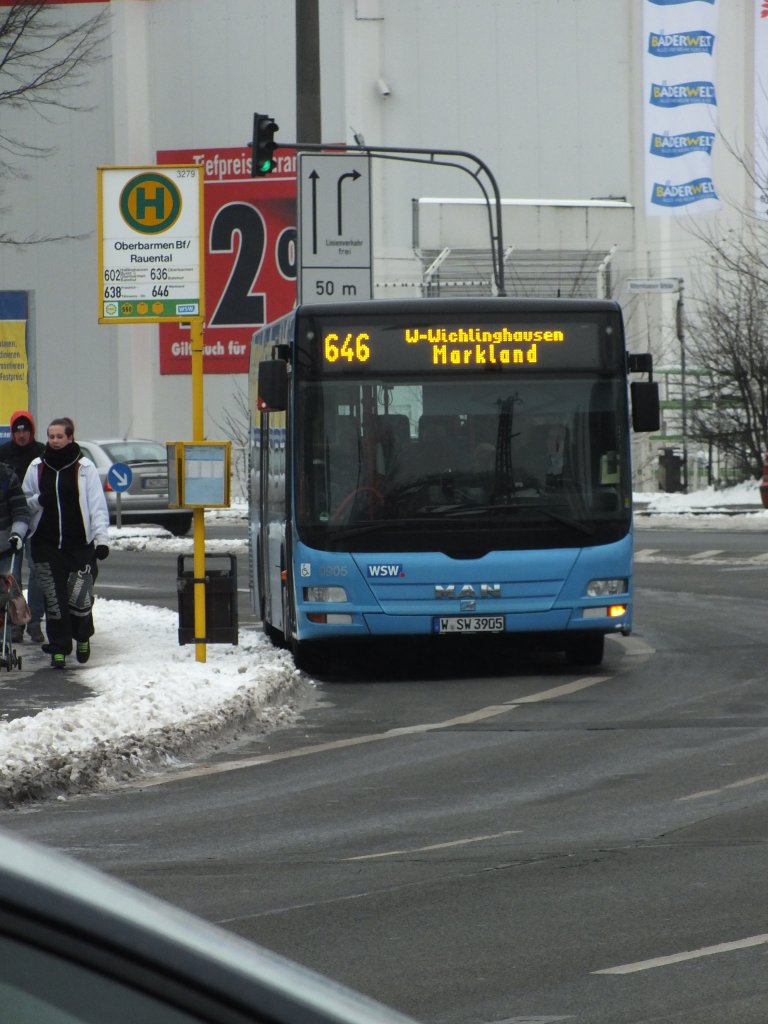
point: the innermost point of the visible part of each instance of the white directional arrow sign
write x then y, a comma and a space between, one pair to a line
120, 476
334, 227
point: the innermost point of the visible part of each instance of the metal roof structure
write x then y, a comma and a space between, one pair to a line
536, 273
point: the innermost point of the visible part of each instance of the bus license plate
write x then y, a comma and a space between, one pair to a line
469, 624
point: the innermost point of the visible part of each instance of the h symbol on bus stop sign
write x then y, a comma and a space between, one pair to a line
143, 202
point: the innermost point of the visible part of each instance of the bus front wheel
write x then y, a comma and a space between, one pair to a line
309, 655
585, 650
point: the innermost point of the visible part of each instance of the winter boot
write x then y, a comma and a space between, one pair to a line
35, 633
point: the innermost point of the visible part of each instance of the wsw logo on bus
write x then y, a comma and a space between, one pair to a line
385, 570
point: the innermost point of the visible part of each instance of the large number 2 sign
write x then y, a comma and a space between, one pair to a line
239, 302
250, 259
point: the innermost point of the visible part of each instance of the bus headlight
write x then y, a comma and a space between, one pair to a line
325, 595
605, 588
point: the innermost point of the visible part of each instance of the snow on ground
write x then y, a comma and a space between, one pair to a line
153, 701
708, 509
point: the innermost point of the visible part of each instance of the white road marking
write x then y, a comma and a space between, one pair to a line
492, 711
531, 1020
692, 954
645, 553
561, 691
751, 781
435, 846
697, 555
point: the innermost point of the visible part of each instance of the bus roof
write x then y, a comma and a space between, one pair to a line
383, 307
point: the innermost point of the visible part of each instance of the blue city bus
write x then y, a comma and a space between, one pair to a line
445, 467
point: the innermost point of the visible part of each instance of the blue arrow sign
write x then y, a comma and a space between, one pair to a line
120, 476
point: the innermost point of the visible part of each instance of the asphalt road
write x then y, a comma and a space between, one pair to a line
472, 836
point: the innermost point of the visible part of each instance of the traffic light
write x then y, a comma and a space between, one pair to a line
263, 146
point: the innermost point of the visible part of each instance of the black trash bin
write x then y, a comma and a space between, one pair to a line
220, 601
670, 471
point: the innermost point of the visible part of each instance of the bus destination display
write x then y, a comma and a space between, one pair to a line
378, 347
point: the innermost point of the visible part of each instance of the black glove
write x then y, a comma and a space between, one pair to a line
102, 552
15, 542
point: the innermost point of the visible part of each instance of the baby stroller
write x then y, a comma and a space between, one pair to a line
14, 611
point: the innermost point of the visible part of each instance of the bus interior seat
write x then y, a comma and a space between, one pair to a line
444, 440
484, 429
431, 423
345, 452
393, 434
436, 450
345, 432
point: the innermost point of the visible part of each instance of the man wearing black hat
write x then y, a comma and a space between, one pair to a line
18, 453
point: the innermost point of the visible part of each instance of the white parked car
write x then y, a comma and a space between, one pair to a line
146, 499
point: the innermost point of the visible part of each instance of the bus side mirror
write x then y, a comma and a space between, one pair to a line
645, 406
273, 385
640, 362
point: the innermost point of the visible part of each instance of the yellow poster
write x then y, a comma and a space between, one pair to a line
14, 385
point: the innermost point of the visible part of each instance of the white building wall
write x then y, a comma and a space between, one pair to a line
547, 92
523, 85
74, 369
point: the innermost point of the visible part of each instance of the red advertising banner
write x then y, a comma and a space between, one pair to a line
250, 256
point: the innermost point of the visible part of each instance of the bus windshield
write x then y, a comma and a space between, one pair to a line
463, 466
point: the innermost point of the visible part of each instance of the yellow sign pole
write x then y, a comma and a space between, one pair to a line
135, 203
198, 432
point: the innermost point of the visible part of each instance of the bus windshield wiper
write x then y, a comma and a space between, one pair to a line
574, 524
340, 532
514, 508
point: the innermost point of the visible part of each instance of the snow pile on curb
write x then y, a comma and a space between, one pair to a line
152, 701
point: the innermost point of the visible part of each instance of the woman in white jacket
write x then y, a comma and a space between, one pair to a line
70, 531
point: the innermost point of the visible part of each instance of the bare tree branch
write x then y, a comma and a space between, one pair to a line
235, 425
727, 333
729, 342
42, 57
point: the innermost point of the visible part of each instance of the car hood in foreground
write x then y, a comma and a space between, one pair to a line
43, 893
